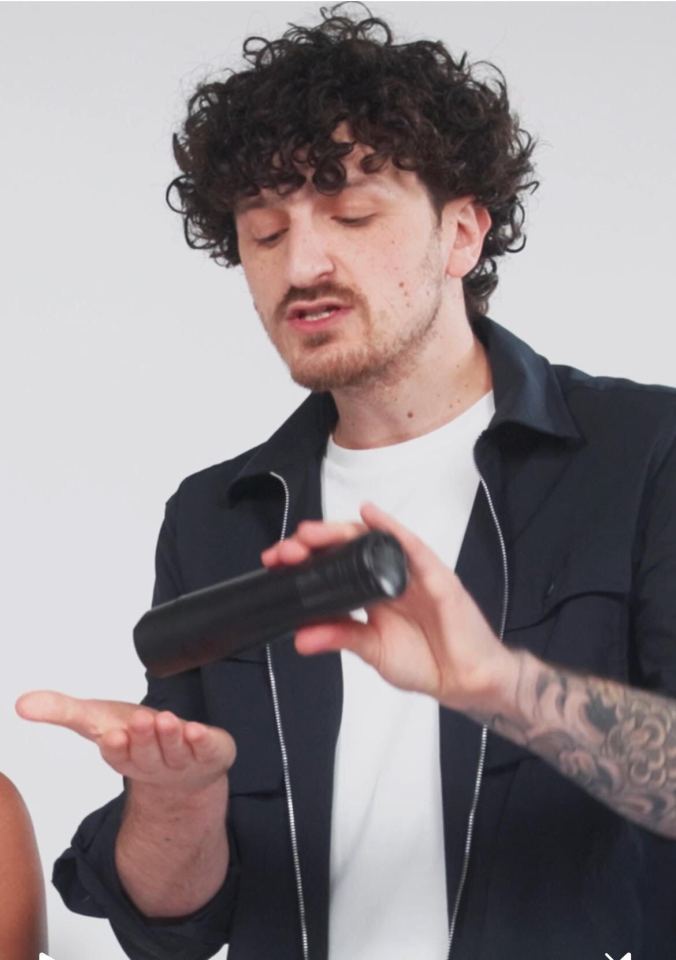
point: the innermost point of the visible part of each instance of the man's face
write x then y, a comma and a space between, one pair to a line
348, 287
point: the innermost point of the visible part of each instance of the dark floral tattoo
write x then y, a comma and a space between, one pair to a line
617, 742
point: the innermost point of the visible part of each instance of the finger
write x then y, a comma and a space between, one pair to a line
48, 706
310, 535
285, 552
344, 634
173, 747
88, 718
210, 746
114, 747
144, 747
318, 533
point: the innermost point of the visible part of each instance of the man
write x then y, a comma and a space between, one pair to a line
466, 796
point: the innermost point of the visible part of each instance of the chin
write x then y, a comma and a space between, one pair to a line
323, 365
339, 373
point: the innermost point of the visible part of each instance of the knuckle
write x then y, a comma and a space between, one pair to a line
438, 585
167, 724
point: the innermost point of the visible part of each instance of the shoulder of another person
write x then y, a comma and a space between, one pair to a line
9, 794
12, 806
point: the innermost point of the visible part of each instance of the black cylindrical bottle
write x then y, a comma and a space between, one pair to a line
227, 618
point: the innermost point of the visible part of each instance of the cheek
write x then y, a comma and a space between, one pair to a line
404, 292
260, 282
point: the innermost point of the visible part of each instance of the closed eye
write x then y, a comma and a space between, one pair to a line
270, 239
354, 221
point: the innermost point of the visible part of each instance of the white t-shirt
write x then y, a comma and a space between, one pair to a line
388, 877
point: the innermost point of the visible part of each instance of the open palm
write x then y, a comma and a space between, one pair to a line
144, 745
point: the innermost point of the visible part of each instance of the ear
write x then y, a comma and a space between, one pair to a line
464, 224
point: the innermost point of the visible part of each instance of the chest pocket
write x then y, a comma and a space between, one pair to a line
237, 693
575, 614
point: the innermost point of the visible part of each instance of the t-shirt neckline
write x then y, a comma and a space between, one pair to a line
470, 422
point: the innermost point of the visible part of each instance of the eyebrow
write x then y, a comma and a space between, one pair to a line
261, 202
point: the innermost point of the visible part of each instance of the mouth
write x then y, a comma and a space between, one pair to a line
316, 314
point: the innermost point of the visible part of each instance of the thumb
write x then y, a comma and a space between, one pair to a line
89, 718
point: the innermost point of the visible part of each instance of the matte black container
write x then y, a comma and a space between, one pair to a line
229, 617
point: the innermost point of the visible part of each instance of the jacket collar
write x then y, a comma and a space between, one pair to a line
526, 390
525, 386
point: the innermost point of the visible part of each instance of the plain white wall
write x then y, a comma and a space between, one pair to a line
129, 361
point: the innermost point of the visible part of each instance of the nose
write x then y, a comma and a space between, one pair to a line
308, 257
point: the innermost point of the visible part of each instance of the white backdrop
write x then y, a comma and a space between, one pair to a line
129, 361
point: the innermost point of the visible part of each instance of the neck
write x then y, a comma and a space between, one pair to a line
450, 374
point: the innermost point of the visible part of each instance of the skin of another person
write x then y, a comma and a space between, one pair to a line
23, 919
361, 294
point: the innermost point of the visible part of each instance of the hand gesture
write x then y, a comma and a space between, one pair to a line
147, 746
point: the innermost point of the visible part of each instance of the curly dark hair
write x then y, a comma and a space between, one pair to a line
412, 103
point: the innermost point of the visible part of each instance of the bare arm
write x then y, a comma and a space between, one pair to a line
617, 742
172, 851
23, 922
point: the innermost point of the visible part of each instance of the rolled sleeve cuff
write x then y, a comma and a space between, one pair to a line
87, 879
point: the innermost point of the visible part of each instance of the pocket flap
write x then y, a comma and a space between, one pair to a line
538, 588
503, 753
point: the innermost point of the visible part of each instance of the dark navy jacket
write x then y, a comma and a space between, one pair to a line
582, 472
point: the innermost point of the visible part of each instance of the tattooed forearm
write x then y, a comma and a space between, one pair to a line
617, 742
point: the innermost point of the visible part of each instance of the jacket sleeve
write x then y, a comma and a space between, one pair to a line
653, 610
654, 668
85, 875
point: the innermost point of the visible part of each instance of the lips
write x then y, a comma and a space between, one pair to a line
315, 311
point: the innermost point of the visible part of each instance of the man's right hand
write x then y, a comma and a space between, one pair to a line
171, 851
144, 745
